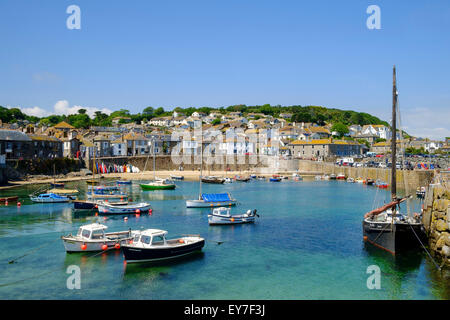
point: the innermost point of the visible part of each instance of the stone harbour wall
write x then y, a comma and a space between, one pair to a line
436, 220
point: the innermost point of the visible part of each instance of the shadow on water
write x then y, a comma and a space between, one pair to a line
403, 263
163, 266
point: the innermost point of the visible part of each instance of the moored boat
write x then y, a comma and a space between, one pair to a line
151, 245
333, 176
340, 176
158, 184
242, 179
223, 215
420, 192
57, 185
369, 181
351, 180
208, 200
359, 180
92, 237
49, 198
177, 177
114, 208
92, 205
386, 227
123, 182
273, 179
212, 179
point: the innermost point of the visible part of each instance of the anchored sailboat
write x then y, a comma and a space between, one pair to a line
386, 227
157, 183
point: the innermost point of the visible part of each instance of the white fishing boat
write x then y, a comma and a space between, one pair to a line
49, 198
223, 216
92, 237
351, 180
111, 208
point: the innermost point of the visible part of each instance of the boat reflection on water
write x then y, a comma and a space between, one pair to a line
134, 270
406, 262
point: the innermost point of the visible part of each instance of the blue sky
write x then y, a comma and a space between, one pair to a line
134, 54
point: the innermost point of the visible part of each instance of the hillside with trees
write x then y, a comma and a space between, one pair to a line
316, 114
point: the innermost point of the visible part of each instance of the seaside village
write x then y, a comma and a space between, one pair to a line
275, 136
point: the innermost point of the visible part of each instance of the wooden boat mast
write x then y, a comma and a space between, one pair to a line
394, 139
201, 169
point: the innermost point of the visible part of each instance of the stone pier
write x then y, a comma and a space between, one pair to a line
436, 220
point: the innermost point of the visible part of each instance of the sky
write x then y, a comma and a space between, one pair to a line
178, 53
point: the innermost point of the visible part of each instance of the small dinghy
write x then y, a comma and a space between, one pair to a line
275, 179
113, 208
351, 180
177, 177
228, 180
242, 179
151, 245
49, 198
369, 182
223, 216
92, 237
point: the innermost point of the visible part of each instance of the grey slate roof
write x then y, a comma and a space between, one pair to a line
12, 135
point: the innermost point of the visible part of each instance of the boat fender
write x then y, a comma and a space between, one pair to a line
232, 219
117, 246
19, 204
181, 241
150, 211
138, 211
126, 218
83, 246
6, 202
104, 247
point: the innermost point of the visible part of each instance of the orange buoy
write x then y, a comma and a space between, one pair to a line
232, 219
96, 214
117, 246
19, 204
138, 211
365, 238
83, 246
150, 211
181, 241
6, 202
104, 247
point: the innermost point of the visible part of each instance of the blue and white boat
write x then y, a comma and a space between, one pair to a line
209, 200
49, 198
224, 216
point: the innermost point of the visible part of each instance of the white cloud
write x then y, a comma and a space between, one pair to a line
427, 123
62, 107
35, 111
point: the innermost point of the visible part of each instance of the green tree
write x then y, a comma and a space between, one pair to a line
340, 128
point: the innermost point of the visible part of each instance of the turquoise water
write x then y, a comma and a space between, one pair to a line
306, 245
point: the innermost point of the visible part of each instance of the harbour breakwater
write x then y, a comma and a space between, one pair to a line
436, 220
407, 180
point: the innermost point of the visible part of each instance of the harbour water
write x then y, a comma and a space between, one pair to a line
307, 244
